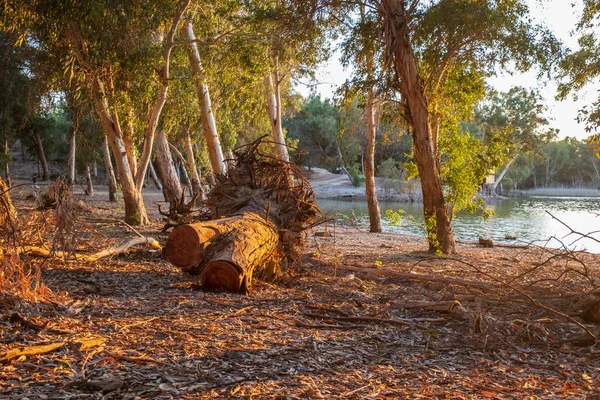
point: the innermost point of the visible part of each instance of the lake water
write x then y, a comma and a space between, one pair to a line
525, 218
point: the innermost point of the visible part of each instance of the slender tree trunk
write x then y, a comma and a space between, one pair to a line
502, 173
39, 147
183, 165
95, 169
191, 164
72, 153
274, 111
166, 168
110, 172
439, 230
154, 176
89, 185
6, 163
371, 189
209, 126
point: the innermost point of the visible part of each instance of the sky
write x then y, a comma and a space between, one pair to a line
559, 16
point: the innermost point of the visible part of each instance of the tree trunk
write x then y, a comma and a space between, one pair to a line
8, 213
191, 164
154, 176
371, 189
227, 253
7, 163
135, 209
110, 172
89, 185
183, 164
72, 152
209, 126
274, 113
439, 230
39, 147
171, 187
502, 173
95, 169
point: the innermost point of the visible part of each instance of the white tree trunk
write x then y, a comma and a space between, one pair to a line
72, 152
274, 112
110, 172
89, 185
209, 126
191, 164
154, 176
502, 173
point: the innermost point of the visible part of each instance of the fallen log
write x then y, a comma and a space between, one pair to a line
226, 252
267, 204
186, 243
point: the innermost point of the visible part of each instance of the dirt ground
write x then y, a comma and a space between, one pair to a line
361, 315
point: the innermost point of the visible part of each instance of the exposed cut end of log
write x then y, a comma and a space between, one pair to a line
222, 275
184, 247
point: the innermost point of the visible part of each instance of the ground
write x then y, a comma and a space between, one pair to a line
346, 321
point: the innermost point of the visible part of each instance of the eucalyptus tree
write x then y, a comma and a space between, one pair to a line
427, 43
582, 66
122, 51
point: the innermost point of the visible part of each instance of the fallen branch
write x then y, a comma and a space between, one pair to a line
82, 344
326, 326
59, 255
401, 322
419, 277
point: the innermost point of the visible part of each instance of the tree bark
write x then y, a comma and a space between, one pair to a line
183, 164
274, 111
7, 163
72, 153
154, 176
110, 172
89, 185
165, 166
439, 230
39, 147
8, 213
191, 164
227, 253
371, 189
209, 126
135, 209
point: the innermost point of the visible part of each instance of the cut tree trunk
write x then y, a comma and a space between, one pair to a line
89, 185
171, 187
439, 230
227, 253
110, 172
371, 189
39, 147
209, 126
8, 213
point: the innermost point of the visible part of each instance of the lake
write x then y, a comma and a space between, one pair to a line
525, 218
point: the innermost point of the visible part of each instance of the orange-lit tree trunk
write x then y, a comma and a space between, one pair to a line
439, 230
371, 189
171, 186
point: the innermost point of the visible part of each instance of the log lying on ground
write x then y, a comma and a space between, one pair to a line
226, 252
266, 203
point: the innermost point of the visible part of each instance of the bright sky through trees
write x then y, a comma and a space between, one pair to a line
561, 17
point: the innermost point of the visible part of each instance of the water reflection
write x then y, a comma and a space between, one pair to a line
525, 218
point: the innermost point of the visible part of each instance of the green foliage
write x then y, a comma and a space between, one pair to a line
357, 177
394, 218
